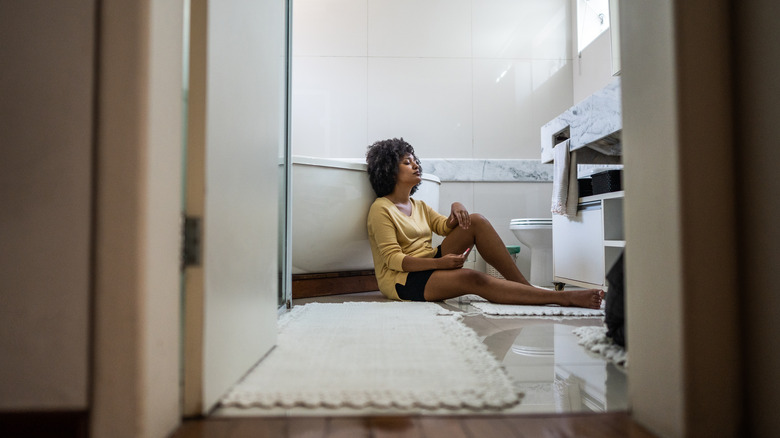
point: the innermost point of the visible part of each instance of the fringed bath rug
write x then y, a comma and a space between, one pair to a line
494, 309
595, 339
375, 355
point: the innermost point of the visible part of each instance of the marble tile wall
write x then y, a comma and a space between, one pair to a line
478, 170
489, 170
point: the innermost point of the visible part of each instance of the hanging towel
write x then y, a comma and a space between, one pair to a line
565, 193
573, 195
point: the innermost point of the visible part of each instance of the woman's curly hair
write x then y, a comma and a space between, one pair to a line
383, 158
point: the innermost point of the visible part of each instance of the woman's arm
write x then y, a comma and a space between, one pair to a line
458, 216
383, 237
448, 261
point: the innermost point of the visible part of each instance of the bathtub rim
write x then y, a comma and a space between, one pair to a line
347, 163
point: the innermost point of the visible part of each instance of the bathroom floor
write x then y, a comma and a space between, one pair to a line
540, 354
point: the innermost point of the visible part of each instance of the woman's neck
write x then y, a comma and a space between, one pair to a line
402, 202
400, 196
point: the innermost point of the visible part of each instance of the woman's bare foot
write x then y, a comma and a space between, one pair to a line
589, 298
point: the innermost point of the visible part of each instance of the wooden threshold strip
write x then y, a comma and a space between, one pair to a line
605, 425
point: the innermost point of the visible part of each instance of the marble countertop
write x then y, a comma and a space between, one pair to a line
594, 123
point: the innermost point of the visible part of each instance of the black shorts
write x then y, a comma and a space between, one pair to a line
414, 289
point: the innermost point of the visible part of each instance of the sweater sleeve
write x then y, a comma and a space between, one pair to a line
437, 221
381, 225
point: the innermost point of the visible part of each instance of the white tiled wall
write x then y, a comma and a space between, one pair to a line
456, 78
427, 101
419, 29
330, 113
332, 28
513, 98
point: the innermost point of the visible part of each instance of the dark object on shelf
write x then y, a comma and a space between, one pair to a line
608, 181
585, 186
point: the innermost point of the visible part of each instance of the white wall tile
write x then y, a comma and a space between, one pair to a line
455, 192
502, 89
529, 29
419, 28
502, 202
329, 107
512, 100
330, 27
552, 92
424, 100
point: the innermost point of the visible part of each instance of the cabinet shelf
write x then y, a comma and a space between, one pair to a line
615, 243
601, 196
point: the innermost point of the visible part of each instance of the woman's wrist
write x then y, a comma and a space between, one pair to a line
452, 222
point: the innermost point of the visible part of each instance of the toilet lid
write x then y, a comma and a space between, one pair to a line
531, 221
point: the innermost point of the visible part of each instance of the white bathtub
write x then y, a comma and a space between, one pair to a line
330, 202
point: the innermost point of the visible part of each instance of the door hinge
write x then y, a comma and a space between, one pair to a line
192, 234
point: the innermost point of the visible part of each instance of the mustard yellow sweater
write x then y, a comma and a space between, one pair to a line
394, 235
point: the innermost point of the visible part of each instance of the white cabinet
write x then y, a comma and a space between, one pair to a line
585, 247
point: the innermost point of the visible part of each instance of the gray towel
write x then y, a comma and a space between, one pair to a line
565, 193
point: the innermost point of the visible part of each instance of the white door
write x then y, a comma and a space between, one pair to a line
235, 154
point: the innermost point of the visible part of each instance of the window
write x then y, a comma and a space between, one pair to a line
592, 20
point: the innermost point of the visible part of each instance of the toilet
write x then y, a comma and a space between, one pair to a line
536, 234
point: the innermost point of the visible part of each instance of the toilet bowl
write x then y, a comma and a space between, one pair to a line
536, 234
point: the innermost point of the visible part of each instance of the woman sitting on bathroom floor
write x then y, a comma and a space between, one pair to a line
407, 266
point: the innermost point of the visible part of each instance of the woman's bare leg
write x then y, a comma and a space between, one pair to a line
490, 246
445, 284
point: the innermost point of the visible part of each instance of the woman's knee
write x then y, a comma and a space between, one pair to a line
479, 220
474, 278
462, 281
477, 217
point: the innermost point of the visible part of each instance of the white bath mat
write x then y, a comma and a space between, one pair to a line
381, 355
489, 308
595, 339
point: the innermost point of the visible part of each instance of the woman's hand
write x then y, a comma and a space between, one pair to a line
459, 216
451, 261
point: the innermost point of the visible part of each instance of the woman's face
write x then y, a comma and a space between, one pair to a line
408, 171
